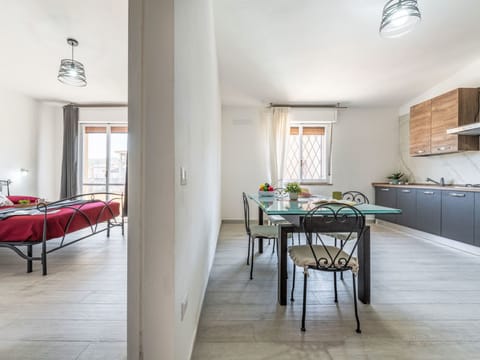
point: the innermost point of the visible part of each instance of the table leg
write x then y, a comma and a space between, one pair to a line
282, 264
260, 222
364, 272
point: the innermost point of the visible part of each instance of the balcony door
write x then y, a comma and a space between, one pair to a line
103, 161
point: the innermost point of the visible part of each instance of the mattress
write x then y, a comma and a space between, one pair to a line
60, 221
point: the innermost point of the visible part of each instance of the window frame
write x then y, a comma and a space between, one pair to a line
328, 153
82, 126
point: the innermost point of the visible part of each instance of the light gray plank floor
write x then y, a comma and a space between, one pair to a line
77, 311
425, 305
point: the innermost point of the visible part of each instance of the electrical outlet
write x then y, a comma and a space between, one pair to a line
183, 176
183, 308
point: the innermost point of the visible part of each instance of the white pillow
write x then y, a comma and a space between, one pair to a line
4, 201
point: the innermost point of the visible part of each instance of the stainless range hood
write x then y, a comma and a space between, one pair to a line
470, 129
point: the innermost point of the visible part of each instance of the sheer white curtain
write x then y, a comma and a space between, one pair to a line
277, 131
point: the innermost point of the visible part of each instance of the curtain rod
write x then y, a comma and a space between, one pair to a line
309, 106
99, 105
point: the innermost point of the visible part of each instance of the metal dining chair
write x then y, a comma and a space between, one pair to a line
281, 194
323, 257
256, 232
358, 198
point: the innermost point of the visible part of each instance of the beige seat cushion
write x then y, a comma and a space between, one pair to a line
266, 231
344, 236
278, 220
302, 256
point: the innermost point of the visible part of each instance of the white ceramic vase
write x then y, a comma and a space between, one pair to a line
293, 196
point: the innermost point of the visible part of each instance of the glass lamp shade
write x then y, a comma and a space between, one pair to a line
399, 17
72, 73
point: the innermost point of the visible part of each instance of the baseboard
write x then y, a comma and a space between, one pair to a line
232, 221
435, 239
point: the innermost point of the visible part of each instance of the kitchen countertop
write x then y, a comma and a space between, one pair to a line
451, 187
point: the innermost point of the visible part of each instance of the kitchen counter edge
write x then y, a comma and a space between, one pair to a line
428, 186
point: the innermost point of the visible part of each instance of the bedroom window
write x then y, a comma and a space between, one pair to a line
308, 156
103, 160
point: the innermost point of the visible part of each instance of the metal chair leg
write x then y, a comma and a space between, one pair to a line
355, 303
273, 247
341, 273
251, 260
304, 301
335, 285
298, 238
293, 283
248, 252
29, 262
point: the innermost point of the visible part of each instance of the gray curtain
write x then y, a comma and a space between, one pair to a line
69, 185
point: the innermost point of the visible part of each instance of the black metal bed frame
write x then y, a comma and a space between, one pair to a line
75, 203
6, 183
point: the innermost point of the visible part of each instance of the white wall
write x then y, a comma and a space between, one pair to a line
18, 129
244, 162
365, 150
49, 150
174, 120
105, 115
460, 168
469, 76
197, 148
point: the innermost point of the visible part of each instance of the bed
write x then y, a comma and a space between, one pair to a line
23, 226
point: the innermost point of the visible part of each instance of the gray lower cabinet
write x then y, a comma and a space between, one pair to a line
407, 201
477, 219
386, 196
458, 218
429, 211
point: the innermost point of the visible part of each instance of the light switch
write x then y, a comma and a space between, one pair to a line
183, 176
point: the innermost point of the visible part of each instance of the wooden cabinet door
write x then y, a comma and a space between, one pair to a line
444, 117
420, 128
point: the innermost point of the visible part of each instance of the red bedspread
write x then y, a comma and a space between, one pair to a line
30, 227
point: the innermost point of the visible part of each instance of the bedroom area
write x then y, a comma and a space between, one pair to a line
64, 127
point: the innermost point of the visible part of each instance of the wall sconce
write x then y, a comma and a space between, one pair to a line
24, 172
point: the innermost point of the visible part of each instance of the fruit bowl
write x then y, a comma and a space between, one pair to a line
266, 189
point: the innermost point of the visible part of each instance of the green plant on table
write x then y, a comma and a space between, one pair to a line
293, 187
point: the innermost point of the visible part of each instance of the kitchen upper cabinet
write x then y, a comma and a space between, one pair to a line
386, 196
430, 120
453, 109
407, 202
429, 210
458, 216
420, 126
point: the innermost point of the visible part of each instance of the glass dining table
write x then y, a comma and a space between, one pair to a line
293, 212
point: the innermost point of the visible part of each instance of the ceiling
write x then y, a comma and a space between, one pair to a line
330, 51
269, 50
33, 39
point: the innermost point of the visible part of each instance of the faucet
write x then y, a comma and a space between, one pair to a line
441, 182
